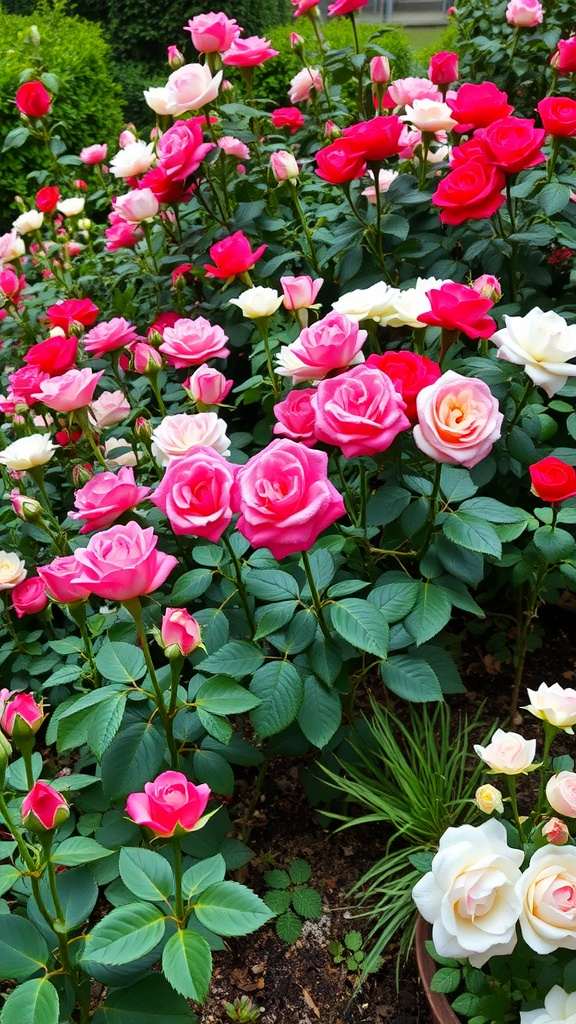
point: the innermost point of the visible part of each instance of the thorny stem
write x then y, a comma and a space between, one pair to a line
511, 781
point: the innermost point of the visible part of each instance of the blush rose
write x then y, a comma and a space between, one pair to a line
458, 420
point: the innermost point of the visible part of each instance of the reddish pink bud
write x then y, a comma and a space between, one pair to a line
179, 631
44, 808
488, 287
556, 832
176, 59
379, 70
146, 359
29, 597
22, 716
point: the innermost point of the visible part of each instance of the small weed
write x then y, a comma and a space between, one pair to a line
242, 1010
352, 954
293, 900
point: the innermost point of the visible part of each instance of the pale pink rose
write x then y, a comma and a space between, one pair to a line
136, 206
561, 793
554, 704
118, 452
105, 497
556, 832
195, 493
296, 417
132, 159
508, 753
176, 435
191, 87
122, 563
126, 138
58, 576
303, 83
109, 408
488, 287
330, 344
94, 154
73, 390
208, 386
248, 52
145, 358
360, 411
385, 179
458, 420
429, 115
379, 70
284, 165
547, 889
11, 246
106, 337
158, 98
233, 147
300, 292
212, 33
524, 13
408, 141
406, 90
179, 630
191, 342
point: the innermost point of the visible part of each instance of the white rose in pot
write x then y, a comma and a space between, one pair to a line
547, 890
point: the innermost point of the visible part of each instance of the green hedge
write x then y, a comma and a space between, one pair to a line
87, 106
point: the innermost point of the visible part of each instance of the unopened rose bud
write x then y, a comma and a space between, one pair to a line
142, 428
488, 287
154, 338
5, 753
21, 720
84, 223
176, 59
379, 70
556, 832
25, 508
34, 35
76, 329
44, 808
284, 166
146, 359
81, 474
297, 43
179, 632
208, 386
489, 799
332, 131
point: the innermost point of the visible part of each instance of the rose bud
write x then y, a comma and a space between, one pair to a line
44, 808
170, 806
143, 428
208, 386
179, 632
176, 59
489, 799
556, 832
146, 359
488, 287
29, 597
284, 166
25, 508
379, 70
81, 474
22, 716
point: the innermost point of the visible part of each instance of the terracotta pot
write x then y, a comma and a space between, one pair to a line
440, 1009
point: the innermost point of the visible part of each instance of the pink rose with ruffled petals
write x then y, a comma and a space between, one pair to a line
456, 307
122, 563
58, 576
285, 498
136, 206
406, 90
106, 497
208, 386
73, 390
296, 417
191, 342
95, 154
360, 411
234, 147
330, 344
106, 337
29, 596
342, 7
300, 292
24, 383
302, 84
232, 256
212, 33
249, 52
524, 13
170, 805
195, 494
109, 408
190, 88
182, 149
458, 420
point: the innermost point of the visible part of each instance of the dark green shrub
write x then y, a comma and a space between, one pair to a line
87, 105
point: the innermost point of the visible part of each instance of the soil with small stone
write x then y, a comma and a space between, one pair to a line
299, 983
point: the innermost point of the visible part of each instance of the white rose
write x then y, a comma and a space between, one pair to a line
157, 99
11, 246
559, 1008
138, 205
118, 452
176, 435
554, 704
469, 895
12, 570
409, 303
29, 221
508, 753
374, 303
27, 452
257, 302
541, 342
191, 87
429, 116
71, 207
547, 891
385, 179
136, 158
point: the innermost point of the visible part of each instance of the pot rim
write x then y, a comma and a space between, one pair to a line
440, 1009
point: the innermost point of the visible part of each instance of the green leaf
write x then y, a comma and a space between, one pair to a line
213, 769
104, 722
277, 878
288, 927
411, 678
77, 893
222, 696
299, 871
34, 1002
23, 951
229, 908
447, 979
322, 567
280, 688
466, 1004
273, 617
237, 658
386, 505
120, 662
430, 613
15, 138
353, 941
553, 198
278, 900
300, 633
151, 1001
147, 874
271, 584
132, 759
395, 599
555, 544
203, 874
79, 850
125, 934
473, 533
8, 875
320, 713
307, 902
187, 964
362, 625
191, 585
493, 511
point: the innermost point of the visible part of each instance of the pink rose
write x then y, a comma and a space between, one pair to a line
458, 420
379, 70
208, 386
524, 13
561, 793
507, 753
300, 292
556, 832
24, 384
109, 408
136, 206
303, 6
406, 90
234, 147
249, 52
302, 84
22, 715
212, 33
342, 7
457, 307
296, 417
121, 235
176, 435
195, 493
58, 576
443, 67
330, 344
122, 563
190, 88
170, 805
359, 411
94, 154
284, 165
181, 149
44, 808
145, 358
73, 390
180, 631
191, 342
106, 337
106, 497
285, 498
29, 596
232, 256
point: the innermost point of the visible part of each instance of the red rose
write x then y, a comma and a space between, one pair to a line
47, 198
54, 356
29, 596
443, 68
232, 256
474, 149
288, 117
515, 143
33, 99
476, 106
377, 139
64, 314
564, 59
469, 192
459, 308
552, 479
558, 115
340, 162
165, 188
409, 373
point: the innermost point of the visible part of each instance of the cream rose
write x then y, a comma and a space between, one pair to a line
508, 753
31, 220
547, 891
489, 799
118, 452
554, 704
559, 1008
175, 435
375, 303
71, 207
561, 793
257, 302
12, 570
542, 343
135, 158
27, 452
469, 896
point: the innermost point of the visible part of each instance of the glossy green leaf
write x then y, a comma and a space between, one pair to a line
362, 625
34, 1002
146, 874
280, 688
125, 934
23, 951
187, 964
120, 662
229, 908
